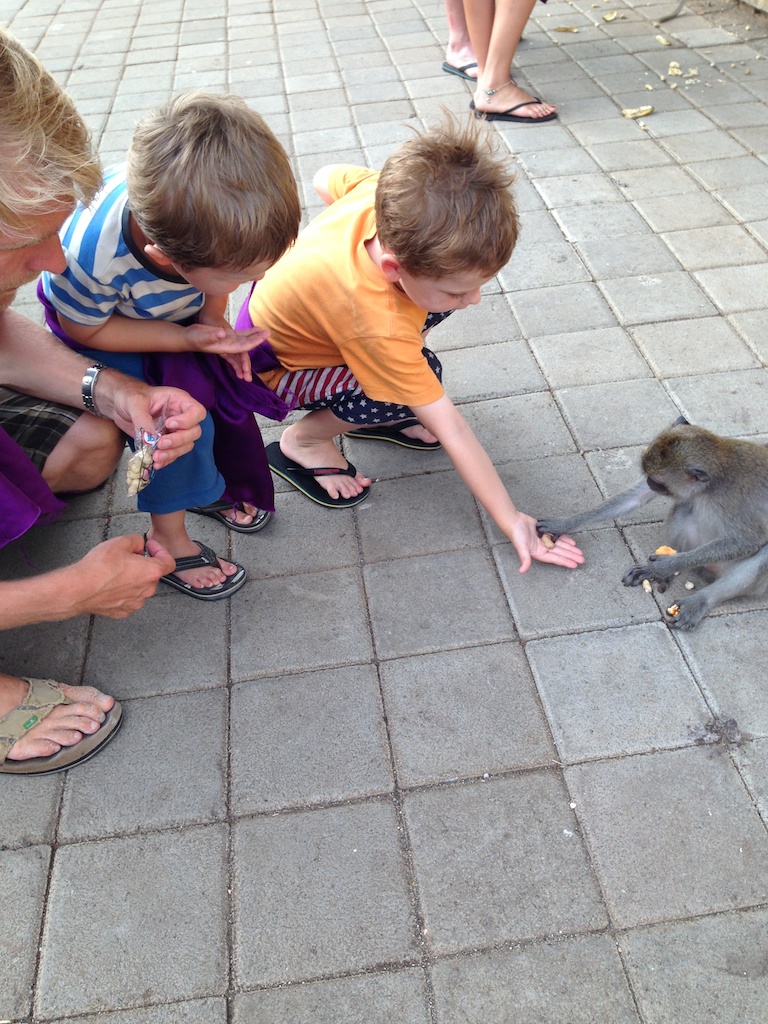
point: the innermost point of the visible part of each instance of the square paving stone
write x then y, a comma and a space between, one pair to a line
521, 427
616, 414
577, 980
487, 324
461, 713
29, 809
577, 190
140, 782
619, 257
198, 1011
23, 878
548, 600
604, 696
589, 357
419, 515
155, 922
728, 659
712, 969
704, 345
297, 539
320, 892
415, 606
500, 861
676, 212
652, 297
318, 738
735, 289
491, 371
751, 326
296, 623
673, 834
148, 653
379, 998
47, 650
550, 263
600, 220
732, 403
561, 309
724, 246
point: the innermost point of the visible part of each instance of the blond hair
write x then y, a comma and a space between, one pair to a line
444, 204
46, 159
210, 185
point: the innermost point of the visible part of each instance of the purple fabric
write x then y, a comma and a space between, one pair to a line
238, 447
25, 498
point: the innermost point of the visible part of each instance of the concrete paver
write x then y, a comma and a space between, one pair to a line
394, 779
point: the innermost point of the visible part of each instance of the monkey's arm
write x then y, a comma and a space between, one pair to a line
739, 578
663, 567
637, 496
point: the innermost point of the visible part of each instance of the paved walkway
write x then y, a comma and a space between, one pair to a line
393, 780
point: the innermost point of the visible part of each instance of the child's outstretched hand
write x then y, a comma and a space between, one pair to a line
221, 340
529, 546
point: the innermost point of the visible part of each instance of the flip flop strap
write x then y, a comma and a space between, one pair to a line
42, 697
206, 557
324, 471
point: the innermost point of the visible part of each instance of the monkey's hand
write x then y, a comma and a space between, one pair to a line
555, 527
650, 571
690, 612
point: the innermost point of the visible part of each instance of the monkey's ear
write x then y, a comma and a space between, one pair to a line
697, 474
681, 421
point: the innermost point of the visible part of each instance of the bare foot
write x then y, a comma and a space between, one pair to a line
421, 433
205, 576
242, 516
313, 455
510, 95
64, 726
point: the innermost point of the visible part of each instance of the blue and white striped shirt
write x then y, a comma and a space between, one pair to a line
106, 271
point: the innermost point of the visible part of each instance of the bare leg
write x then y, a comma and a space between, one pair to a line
495, 30
310, 443
458, 53
85, 456
63, 727
169, 529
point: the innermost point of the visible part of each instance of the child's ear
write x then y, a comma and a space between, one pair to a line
157, 255
390, 267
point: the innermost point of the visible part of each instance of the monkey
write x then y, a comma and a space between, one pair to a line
718, 522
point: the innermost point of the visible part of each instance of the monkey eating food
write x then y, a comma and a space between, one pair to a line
718, 522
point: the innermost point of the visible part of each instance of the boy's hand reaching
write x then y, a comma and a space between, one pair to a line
221, 340
529, 546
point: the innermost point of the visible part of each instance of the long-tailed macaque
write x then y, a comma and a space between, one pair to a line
718, 523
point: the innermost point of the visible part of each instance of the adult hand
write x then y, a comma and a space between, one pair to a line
133, 404
115, 578
530, 546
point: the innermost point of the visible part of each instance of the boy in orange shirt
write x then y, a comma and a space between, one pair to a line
348, 306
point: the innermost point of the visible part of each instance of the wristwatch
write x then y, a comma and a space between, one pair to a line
89, 384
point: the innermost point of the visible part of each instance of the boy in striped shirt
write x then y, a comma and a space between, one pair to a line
206, 202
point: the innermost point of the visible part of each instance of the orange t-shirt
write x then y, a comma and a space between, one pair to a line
326, 303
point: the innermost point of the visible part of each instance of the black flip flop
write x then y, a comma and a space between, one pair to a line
462, 71
509, 115
394, 432
206, 557
217, 509
305, 480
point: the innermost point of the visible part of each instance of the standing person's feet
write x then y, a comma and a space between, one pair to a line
509, 102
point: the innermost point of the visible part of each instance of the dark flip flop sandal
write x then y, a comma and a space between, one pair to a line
394, 432
305, 480
462, 71
41, 699
206, 557
217, 509
510, 115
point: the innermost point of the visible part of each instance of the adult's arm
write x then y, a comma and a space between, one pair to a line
114, 580
34, 362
